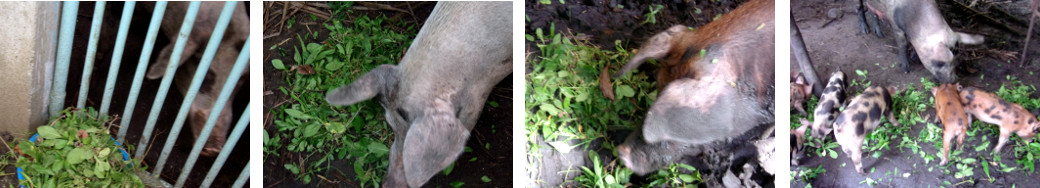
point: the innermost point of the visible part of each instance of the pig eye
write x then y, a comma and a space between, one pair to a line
940, 64
400, 112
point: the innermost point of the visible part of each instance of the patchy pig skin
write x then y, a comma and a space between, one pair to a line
990, 108
861, 117
951, 113
920, 24
827, 108
714, 83
800, 93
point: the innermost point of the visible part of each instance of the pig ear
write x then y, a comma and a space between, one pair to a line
158, 69
965, 38
935, 90
655, 48
432, 143
382, 79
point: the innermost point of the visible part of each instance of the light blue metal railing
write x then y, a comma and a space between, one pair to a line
68, 22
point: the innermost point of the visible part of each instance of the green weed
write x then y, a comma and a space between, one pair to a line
325, 133
75, 150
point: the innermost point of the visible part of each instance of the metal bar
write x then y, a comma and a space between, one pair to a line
146, 53
164, 87
240, 128
88, 62
196, 82
242, 177
61, 67
117, 55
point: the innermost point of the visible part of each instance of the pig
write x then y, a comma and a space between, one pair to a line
715, 83
827, 108
919, 23
800, 93
862, 116
990, 108
434, 96
223, 61
951, 113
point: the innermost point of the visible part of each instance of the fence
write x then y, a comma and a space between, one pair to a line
61, 71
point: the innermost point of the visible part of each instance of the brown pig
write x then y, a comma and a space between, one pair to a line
951, 113
861, 117
990, 108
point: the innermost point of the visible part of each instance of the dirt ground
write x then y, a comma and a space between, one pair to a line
840, 45
495, 163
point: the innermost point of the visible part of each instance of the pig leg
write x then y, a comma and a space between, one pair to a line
947, 137
902, 46
1004, 134
855, 152
863, 27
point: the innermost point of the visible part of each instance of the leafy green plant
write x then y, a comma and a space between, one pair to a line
675, 177
808, 174
600, 176
75, 150
651, 17
325, 133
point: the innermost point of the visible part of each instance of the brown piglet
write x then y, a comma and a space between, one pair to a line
952, 115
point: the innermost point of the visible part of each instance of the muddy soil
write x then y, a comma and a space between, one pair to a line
840, 45
495, 163
601, 23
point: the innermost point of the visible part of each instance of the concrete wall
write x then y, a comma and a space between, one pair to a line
29, 35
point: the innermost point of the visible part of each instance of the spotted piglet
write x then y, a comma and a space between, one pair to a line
862, 116
950, 112
800, 93
830, 101
990, 108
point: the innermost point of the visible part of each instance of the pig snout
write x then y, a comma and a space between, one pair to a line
643, 158
197, 118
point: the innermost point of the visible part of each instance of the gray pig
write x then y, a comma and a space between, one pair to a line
234, 37
920, 23
861, 117
715, 82
434, 96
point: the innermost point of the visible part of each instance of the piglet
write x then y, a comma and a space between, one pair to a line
827, 108
861, 117
434, 96
800, 93
797, 140
990, 108
919, 23
223, 61
951, 113
715, 83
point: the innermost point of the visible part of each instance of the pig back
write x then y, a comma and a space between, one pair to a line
460, 53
